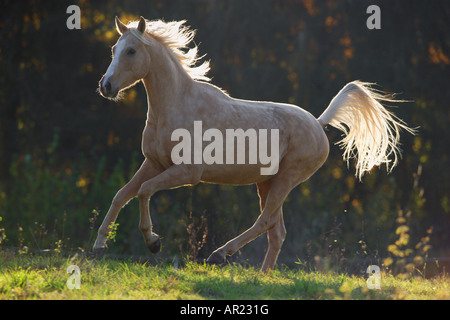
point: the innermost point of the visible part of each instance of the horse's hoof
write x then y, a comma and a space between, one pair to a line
97, 253
155, 247
217, 258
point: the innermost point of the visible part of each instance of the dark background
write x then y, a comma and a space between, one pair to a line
65, 151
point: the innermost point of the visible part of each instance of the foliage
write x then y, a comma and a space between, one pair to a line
65, 151
197, 233
400, 261
61, 209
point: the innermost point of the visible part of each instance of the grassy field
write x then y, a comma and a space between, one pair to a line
46, 277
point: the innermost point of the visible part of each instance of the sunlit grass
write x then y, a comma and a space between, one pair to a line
45, 277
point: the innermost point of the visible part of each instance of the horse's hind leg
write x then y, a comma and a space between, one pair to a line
122, 197
275, 237
271, 216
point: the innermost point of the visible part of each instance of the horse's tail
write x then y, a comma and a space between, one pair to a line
371, 131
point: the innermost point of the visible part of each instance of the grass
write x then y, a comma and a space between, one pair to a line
45, 277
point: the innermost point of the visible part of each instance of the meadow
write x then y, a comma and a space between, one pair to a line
45, 277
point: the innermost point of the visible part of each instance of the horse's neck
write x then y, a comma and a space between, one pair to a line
165, 84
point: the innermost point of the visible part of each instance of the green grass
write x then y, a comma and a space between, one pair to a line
45, 277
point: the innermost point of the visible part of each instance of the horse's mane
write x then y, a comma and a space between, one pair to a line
176, 36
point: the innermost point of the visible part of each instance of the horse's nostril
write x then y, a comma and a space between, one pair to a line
108, 87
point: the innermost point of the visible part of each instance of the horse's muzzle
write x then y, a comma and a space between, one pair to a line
106, 89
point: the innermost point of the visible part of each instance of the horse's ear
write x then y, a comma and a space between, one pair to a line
141, 25
121, 28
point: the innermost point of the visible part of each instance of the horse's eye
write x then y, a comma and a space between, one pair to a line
131, 51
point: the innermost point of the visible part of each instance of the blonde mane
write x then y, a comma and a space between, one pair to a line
176, 36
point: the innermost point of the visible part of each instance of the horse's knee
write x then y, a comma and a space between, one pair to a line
119, 201
141, 195
145, 192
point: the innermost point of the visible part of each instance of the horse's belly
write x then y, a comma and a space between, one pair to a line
236, 174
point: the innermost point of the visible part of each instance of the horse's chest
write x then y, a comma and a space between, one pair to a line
154, 149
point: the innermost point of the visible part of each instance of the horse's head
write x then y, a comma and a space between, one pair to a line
130, 61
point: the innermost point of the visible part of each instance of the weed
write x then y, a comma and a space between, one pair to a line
58, 247
197, 233
2, 236
112, 231
405, 260
95, 213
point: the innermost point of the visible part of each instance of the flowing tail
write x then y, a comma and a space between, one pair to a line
372, 133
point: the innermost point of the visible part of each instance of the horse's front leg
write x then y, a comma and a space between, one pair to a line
122, 197
175, 176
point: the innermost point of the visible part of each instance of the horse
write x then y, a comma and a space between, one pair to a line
179, 94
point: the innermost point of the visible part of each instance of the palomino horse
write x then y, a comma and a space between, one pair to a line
156, 53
